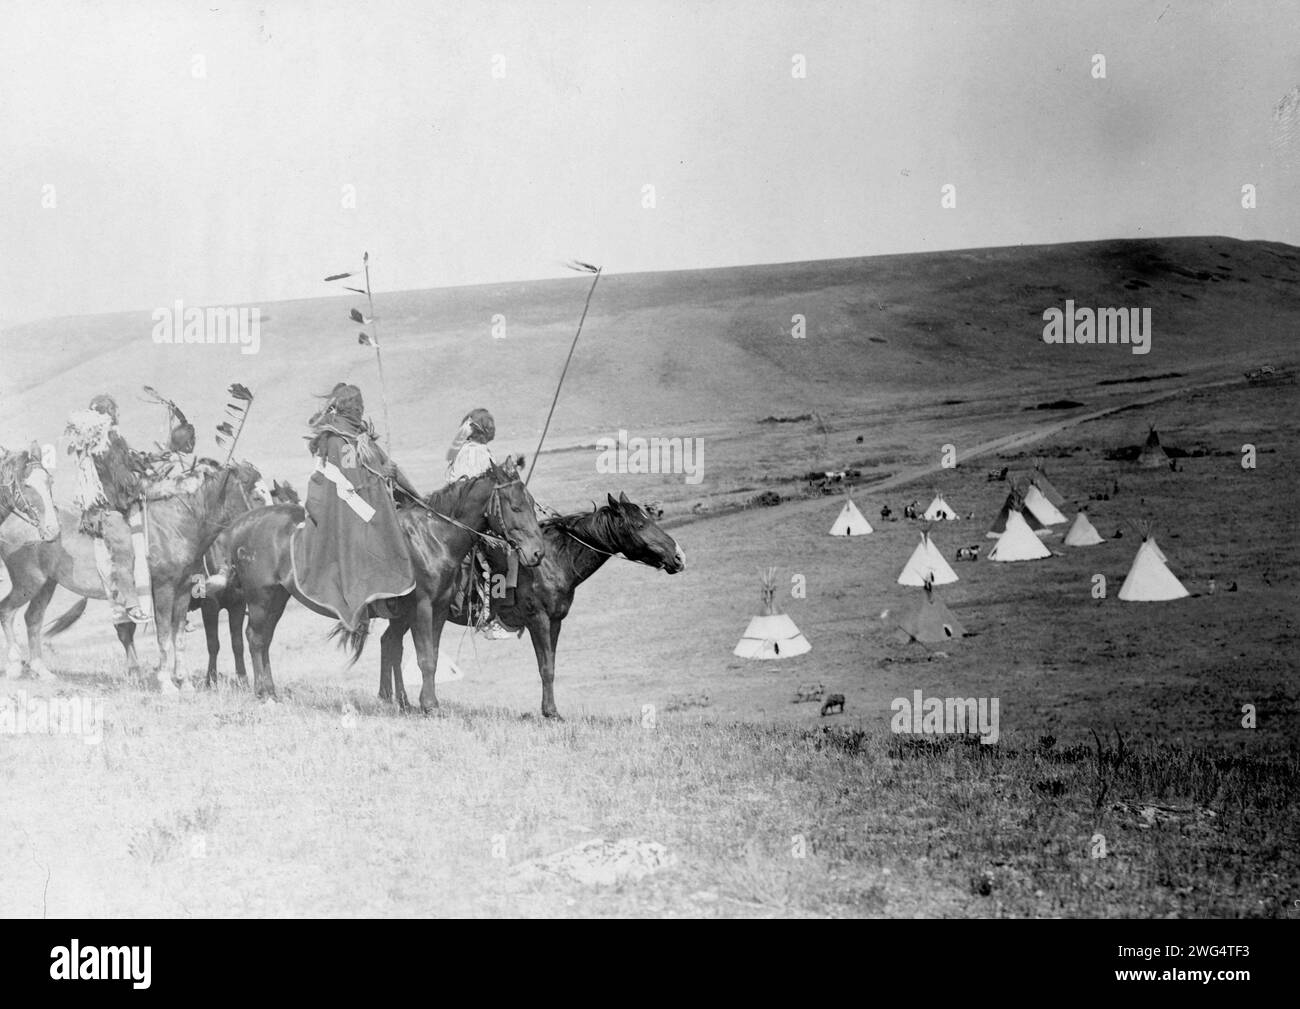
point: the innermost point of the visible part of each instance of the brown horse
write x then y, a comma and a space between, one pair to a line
230, 599
181, 529
440, 531
26, 491
576, 548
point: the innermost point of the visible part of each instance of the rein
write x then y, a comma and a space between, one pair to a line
494, 508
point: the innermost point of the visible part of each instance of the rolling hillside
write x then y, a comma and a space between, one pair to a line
704, 354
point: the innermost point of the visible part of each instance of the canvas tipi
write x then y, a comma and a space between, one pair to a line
926, 564
1149, 579
1014, 502
771, 635
1018, 542
1039, 479
931, 620
1043, 510
850, 521
939, 511
1153, 455
1082, 533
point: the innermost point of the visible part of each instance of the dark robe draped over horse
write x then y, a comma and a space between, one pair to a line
350, 551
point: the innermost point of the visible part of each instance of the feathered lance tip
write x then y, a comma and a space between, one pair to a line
581, 267
243, 398
156, 397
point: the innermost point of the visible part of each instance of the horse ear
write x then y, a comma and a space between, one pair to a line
622, 498
612, 503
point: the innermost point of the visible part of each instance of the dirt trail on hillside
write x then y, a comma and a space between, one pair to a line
1017, 439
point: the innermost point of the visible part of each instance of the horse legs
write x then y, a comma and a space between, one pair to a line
170, 608
426, 628
126, 635
390, 662
211, 611
545, 633
235, 615
263, 614
33, 617
19, 593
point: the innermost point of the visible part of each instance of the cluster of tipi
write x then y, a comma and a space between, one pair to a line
1031, 509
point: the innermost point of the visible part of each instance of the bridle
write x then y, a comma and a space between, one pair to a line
18, 503
564, 528
495, 510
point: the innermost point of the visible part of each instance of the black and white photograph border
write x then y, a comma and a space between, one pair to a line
914, 383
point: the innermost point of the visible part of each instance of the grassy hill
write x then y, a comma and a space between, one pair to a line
695, 354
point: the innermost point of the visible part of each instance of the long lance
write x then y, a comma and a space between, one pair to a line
379, 357
587, 268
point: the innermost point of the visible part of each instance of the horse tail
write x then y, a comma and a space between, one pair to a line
355, 640
68, 619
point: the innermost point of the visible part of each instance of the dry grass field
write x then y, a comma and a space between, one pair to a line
331, 803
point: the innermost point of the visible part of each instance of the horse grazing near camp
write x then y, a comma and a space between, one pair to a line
970, 553
230, 599
441, 529
912, 510
577, 546
996, 475
181, 527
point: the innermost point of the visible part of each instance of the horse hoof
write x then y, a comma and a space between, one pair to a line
552, 716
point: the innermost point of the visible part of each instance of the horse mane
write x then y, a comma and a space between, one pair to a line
448, 499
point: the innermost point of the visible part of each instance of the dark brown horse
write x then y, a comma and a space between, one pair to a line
181, 528
576, 548
440, 531
230, 599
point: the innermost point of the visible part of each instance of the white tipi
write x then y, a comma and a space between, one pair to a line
771, 635
1018, 542
1083, 533
850, 521
939, 511
1149, 579
926, 563
1037, 504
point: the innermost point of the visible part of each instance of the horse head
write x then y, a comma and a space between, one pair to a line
635, 534
28, 488
283, 493
512, 514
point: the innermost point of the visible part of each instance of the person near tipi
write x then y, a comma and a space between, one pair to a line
468, 457
109, 491
350, 551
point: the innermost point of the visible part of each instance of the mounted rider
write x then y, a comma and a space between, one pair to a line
109, 492
351, 550
469, 456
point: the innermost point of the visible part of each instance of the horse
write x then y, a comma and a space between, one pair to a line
27, 491
440, 530
230, 599
577, 546
181, 528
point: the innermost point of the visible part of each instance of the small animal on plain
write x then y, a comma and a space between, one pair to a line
910, 511
809, 692
995, 475
970, 553
833, 701
885, 512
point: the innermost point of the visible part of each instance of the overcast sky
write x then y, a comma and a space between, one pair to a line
229, 186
